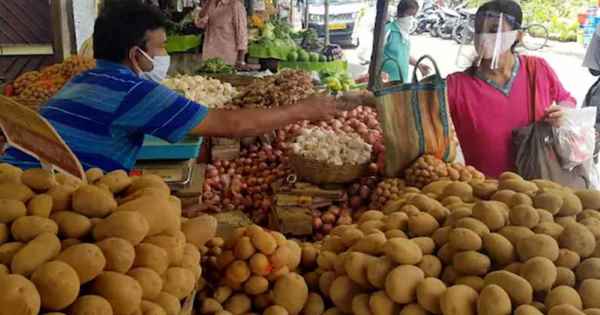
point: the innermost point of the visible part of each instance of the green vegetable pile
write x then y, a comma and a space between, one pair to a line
216, 65
336, 81
302, 55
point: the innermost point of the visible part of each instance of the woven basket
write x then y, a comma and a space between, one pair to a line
318, 172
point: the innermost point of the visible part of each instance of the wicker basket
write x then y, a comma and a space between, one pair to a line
318, 172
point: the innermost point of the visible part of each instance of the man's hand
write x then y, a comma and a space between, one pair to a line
554, 115
352, 99
316, 108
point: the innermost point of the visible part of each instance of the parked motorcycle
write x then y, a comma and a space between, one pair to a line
464, 30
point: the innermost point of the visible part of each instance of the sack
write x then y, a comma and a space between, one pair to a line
415, 120
576, 137
534, 145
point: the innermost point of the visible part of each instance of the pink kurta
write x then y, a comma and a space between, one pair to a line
485, 117
226, 30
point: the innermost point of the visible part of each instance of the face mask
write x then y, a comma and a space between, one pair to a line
405, 23
160, 67
495, 44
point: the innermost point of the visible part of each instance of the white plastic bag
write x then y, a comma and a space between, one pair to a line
575, 139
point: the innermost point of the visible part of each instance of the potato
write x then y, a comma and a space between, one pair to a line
256, 285
524, 215
8, 251
93, 202
490, 213
159, 213
341, 292
514, 268
275, 310
200, 229
314, 305
403, 251
397, 220
473, 225
40, 206
128, 225
564, 221
499, 249
429, 293
116, 181
484, 190
169, 303
545, 216
504, 196
471, 263
540, 272
91, 304
295, 256
61, 197
238, 304
149, 280
431, 266
148, 181
518, 185
401, 283
563, 295
10, 174
538, 245
458, 213
371, 244
568, 259
355, 265
593, 225
377, 270
589, 291
87, 259
381, 304
38, 179
588, 269
151, 256
360, 305
38, 251
309, 256
122, 292
179, 282
549, 201
445, 253
592, 311
464, 239
150, 308
459, 300
459, 189
210, 306
11, 210
579, 239
15, 192
564, 276
422, 224
519, 290
18, 296
493, 300
263, 242
413, 309
565, 309
119, 254
24, 229
172, 245
549, 228
280, 257
57, 283
71, 224
571, 205
474, 282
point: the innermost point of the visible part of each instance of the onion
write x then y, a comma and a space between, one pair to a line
335, 210
344, 220
327, 228
365, 192
317, 223
328, 218
355, 202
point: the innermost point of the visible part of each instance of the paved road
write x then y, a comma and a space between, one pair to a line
565, 58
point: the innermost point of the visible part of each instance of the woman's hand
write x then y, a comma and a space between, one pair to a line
424, 69
554, 115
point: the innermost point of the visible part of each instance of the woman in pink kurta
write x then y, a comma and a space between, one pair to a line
487, 105
226, 32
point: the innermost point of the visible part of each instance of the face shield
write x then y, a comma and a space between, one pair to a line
495, 35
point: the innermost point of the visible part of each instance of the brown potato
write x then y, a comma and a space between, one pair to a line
571, 205
71, 224
116, 181
381, 304
291, 292
18, 192
371, 244
57, 283
174, 246
119, 254
122, 292
403, 251
18, 296
149, 280
355, 265
524, 215
40, 205
38, 179
150, 308
401, 283
93, 202
464, 239
567, 258
10, 174
377, 270
38, 251
179, 282
491, 213
422, 224
11, 210
199, 230
238, 304
589, 290
459, 300
538, 245
151, 256
341, 292
429, 293
473, 225
588, 269
61, 197
564, 276
360, 305
87, 260
128, 225
169, 303
471, 263
579, 239
563, 295
474, 282
431, 266
499, 249
24, 229
540, 272
493, 300
519, 290
90, 304
551, 229
565, 309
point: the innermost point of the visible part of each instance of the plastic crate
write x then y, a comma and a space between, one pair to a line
158, 149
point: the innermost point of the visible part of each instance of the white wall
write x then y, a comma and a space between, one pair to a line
84, 15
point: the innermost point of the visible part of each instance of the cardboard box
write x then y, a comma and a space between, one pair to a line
227, 222
293, 221
225, 152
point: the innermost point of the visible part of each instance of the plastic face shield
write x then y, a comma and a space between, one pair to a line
495, 34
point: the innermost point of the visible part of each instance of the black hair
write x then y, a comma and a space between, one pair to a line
121, 25
506, 7
405, 5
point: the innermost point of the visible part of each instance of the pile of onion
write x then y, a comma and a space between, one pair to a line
325, 221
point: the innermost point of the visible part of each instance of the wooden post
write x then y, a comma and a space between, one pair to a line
62, 28
378, 42
326, 23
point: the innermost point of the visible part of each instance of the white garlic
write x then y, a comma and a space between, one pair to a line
208, 92
333, 148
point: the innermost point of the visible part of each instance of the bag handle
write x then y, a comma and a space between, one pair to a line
379, 82
438, 74
530, 67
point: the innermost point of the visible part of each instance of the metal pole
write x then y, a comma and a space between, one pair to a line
306, 15
378, 42
326, 22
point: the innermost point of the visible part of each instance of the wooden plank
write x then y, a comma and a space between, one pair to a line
61, 30
378, 42
29, 50
24, 21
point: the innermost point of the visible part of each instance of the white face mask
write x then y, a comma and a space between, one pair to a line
160, 67
495, 44
405, 23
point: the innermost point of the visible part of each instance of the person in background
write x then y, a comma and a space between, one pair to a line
592, 98
104, 114
488, 102
396, 53
225, 31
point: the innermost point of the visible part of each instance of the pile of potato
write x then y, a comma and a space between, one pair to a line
116, 245
255, 272
386, 190
428, 169
454, 248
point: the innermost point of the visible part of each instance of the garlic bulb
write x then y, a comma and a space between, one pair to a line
208, 92
333, 148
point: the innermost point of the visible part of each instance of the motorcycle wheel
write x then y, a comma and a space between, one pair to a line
434, 31
462, 34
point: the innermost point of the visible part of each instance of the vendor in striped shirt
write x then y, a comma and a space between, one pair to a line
103, 114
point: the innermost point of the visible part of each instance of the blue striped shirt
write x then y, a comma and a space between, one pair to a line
103, 115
